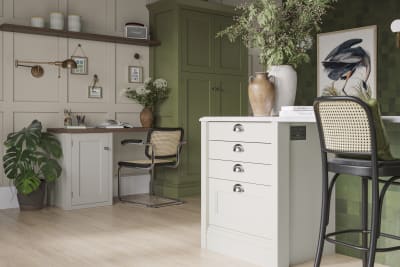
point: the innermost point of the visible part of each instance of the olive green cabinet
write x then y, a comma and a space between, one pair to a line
207, 76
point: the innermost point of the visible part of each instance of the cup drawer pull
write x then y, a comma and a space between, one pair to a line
238, 128
238, 168
238, 148
238, 188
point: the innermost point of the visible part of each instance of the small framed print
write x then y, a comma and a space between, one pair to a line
95, 92
82, 65
135, 74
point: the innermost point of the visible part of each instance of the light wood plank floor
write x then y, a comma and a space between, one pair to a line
121, 235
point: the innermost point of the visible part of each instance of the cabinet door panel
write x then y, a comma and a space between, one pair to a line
197, 103
230, 58
90, 169
231, 96
197, 42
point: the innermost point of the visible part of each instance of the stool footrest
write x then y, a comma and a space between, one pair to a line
328, 237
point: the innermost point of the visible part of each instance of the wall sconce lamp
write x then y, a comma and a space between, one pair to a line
395, 27
37, 70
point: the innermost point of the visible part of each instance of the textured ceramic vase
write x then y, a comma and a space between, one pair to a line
146, 117
261, 94
284, 78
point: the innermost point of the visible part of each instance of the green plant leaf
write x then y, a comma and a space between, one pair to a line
27, 183
16, 161
50, 144
28, 137
51, 170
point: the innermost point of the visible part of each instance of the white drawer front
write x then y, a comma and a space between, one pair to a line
262, 132
249, 211
241, 171
240, 151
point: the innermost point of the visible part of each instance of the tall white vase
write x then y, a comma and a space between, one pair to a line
284, 78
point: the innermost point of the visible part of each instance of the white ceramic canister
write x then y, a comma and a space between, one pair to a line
37, 22
74, 23
56, 21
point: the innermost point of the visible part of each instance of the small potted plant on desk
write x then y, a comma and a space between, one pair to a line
30, 162
152, 92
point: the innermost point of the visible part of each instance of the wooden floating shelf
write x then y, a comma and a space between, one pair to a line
76, 35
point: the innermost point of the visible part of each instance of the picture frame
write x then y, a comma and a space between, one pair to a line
82, 65
357, 76
135, 74
95, 92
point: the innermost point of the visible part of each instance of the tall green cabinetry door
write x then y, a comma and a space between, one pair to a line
207, 76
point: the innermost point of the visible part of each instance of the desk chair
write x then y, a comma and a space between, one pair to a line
347, 130
162, 149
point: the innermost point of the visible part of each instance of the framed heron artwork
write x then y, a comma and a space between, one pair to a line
347, 62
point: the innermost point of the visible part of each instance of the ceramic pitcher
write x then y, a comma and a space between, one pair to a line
261, 94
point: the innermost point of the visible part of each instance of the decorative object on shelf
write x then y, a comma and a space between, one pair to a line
57, 21
347, 62
285, 81
31, 161
395, 27
294, 21
37, 22
152, 93
135, 74
95, 91
67, 117
136, 31
261, 94
37, 70
74, 23
80, 119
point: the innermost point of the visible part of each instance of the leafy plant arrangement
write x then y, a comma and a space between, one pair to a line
283, 33
151, 93
31, 158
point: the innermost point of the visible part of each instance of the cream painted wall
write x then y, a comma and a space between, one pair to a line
24, 98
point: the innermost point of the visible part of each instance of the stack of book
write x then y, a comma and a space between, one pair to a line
296, 111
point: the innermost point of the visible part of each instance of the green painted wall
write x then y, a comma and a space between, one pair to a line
350, 14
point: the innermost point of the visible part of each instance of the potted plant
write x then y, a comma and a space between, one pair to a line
30, 162
153, 92
283, 34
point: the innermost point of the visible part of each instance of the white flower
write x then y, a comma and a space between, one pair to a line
141, 90
124, 91
160, 83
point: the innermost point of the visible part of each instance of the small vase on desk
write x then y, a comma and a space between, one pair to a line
146, 117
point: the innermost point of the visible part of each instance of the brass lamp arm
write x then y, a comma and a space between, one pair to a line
21, 63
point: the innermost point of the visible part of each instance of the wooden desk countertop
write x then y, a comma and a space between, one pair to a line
97, 130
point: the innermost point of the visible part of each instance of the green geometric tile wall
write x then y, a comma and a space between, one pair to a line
349, 14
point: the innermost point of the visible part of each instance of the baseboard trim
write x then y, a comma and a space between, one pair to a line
8, 198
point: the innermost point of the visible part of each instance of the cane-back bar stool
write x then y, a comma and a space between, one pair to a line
162, 149
347, 129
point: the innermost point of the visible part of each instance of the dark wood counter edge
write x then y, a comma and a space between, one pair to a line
97, 130
76, 35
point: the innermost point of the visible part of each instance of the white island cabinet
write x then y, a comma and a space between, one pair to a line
86, 179
261, 189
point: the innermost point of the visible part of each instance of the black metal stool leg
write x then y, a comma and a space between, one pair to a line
324, 219
119, 184
375, 222
364, 219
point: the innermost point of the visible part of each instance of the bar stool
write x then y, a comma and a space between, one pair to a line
352, 131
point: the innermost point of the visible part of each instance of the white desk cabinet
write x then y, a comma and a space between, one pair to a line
87, 163
261, 191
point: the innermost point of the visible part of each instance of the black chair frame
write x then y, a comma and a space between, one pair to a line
369, 170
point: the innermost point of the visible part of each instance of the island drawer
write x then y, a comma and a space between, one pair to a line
241, 171
262, 132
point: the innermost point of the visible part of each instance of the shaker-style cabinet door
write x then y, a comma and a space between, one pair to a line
197, 41
231, 96
230, 58
196, 98
90, 168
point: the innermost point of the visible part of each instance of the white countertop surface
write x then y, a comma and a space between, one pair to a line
297, 119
